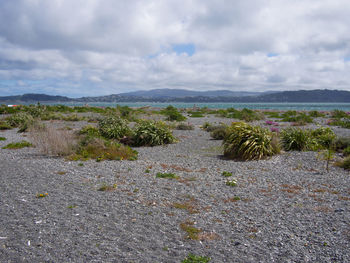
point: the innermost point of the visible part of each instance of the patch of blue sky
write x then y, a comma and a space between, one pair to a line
270, 55
346, 59
188, 49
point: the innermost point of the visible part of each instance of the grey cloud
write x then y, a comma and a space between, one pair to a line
105, 46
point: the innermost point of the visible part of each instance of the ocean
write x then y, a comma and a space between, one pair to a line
262, 106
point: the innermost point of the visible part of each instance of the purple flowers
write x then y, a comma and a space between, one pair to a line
271, 123
274, 129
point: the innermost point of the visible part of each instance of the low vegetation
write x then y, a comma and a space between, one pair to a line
246, 142
18, 145
191, 258
185, 126
167, 175
307, 140
244, 114
172, 114
114, 127
150, 133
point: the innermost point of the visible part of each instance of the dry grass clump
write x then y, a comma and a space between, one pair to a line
52, 141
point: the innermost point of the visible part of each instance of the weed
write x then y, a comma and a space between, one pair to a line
231, 183
71, 206
190, 206
106, 187
232, 199
226, 174
192, 232
18, 145
191, 258
80, 164
219, 132
185, 126
344, 163
2, 139
42, 195
167, 175
327, 155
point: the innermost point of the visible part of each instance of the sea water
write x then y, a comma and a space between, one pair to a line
262, 106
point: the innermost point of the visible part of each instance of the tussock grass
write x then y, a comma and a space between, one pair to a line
51, 141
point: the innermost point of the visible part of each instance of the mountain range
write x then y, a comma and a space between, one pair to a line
181, 95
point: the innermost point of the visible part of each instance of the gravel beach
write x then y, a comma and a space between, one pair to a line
287, 208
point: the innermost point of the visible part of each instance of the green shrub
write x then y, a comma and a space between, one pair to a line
206, 125
306, 140
219, 133
150, 133
316, 114
296, 139
185, 126
191, 258
113, 127
244, 114
72, 117
4, 125
299, 118
4, 109
172, 114
341, 143
345, 163
2, 139
125, 111
344, 123
346, 151
196, 115
272, 114
338, 114
18, 145
90, 131
247, 142
99, 149
325, 137
21, 120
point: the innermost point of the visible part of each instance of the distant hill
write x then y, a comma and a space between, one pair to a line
31, 97
178, 95
308, 96
182, 93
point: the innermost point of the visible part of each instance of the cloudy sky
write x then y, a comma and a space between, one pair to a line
100, 47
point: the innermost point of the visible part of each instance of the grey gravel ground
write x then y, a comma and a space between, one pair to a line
290, 208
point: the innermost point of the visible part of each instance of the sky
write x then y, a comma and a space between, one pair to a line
99, 47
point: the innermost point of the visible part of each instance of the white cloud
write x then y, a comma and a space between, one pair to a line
96, 47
